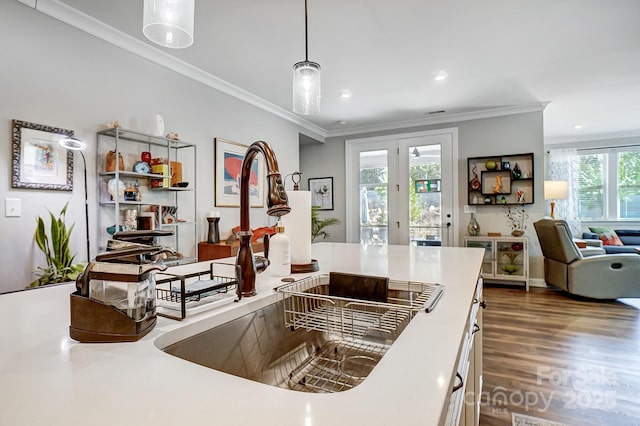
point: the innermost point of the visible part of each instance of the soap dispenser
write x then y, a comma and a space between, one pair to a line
279, 253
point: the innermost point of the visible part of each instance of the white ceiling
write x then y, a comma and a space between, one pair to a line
582, 56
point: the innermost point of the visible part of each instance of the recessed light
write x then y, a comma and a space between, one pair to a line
578, 126
342, 122
441, 76
345, 94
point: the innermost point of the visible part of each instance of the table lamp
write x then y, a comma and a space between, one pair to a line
555, 190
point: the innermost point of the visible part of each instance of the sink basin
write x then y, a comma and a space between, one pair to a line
294, 345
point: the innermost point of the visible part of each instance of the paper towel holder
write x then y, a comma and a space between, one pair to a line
301, 268
295, 178
305, 267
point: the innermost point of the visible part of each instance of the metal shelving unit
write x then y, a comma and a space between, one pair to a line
130, 144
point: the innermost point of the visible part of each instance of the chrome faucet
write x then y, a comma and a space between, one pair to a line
277, 203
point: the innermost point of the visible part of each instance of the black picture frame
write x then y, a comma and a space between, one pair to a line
321, 193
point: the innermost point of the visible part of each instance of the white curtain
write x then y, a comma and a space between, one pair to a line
563, 165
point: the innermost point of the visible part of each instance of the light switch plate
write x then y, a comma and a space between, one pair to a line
12, 207
469, 209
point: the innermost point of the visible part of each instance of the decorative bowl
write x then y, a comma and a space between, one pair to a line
112, 229
141, 167
510, 269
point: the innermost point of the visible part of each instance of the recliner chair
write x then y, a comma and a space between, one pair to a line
608, 276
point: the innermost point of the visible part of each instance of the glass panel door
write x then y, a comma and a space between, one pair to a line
401, 190
425, 196
374, 197
426, 164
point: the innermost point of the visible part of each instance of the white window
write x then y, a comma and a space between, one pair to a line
609, 184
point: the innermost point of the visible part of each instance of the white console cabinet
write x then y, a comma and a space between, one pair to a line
506, 259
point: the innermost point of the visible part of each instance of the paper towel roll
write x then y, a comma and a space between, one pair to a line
298, 226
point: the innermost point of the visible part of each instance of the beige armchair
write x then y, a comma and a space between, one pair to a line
608, 276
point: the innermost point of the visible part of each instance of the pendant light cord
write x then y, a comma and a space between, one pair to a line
306, 34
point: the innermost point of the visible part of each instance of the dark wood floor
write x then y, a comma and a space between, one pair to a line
560, 358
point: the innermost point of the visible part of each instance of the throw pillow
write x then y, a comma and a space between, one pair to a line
607, 235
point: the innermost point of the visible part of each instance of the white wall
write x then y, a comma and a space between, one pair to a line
56, 75
512, 134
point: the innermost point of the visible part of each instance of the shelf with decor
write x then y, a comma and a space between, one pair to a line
500, 180
506, 259
147, 182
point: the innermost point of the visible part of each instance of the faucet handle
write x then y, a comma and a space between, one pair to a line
261, 262
265, 243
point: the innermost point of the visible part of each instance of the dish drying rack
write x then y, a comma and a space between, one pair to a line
308, 305
177, 294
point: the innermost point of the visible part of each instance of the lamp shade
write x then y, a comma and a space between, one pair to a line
72, 143
169, 23
556, 189
306, 88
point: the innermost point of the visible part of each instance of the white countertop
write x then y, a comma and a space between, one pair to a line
46, 378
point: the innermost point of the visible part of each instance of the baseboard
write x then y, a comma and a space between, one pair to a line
537, 282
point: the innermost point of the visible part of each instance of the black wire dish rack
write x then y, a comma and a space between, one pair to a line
178, 294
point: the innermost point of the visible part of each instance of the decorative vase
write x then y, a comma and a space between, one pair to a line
110, 165
115, 188
516, 172
473, 228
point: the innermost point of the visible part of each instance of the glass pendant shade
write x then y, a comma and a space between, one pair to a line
169, 23
306, 88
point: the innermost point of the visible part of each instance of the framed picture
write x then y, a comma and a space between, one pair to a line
427, 185
228, 163
38, 160
321, 193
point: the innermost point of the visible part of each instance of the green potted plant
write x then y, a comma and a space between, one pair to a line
55, 247
318, 225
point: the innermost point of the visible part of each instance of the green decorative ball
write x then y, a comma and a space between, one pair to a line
490, 165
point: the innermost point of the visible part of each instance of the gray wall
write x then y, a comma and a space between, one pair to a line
512, 134
56, 75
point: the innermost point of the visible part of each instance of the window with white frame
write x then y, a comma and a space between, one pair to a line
609, 184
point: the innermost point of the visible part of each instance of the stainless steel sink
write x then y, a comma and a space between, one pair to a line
285, 344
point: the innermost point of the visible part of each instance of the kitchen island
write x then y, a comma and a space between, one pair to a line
50, 379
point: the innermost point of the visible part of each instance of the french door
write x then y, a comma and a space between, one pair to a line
401, 188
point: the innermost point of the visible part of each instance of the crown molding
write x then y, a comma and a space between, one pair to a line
31, 3
592, 137
90, 25
444, 118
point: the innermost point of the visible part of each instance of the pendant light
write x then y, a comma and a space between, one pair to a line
169, 23
306, 80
